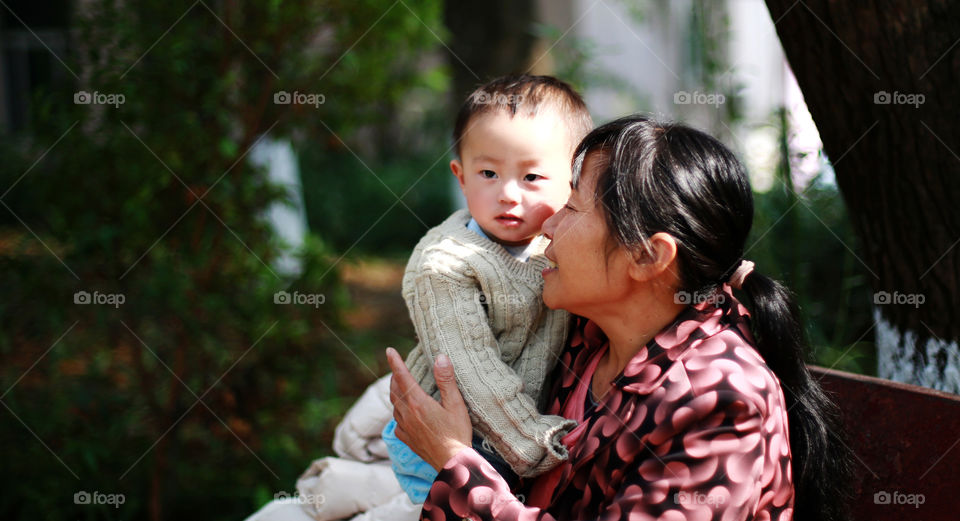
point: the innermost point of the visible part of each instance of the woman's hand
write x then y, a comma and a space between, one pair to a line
436, 431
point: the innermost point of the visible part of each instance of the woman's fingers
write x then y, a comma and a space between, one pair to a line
434, 431
405, 393
450, 396
401, 434
402, 382
397, 367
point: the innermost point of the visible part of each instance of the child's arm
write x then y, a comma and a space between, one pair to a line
449, 318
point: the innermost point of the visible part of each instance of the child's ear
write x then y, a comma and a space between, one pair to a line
661, 256
457, 168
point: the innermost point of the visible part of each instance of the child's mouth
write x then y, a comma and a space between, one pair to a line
509, 220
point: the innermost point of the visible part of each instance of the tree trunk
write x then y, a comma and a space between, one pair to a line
880, 81
487, 39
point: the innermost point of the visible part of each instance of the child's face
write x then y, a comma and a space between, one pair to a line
514, 172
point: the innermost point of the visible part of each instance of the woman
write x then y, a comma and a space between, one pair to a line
689, 407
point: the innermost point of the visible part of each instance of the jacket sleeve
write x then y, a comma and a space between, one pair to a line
705, 466
357, 436
449, 318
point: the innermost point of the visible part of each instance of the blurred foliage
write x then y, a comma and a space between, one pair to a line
380, 208
575, 60
199, 389
199, 393
709, 66
805, 239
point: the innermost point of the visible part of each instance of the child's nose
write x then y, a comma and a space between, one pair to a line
510, 193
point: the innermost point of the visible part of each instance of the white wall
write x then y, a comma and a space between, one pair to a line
652, 57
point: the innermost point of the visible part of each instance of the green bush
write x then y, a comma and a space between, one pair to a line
377, 211
198, 396
806, 240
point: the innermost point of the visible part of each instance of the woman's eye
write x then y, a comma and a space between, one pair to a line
489, 174
532, 177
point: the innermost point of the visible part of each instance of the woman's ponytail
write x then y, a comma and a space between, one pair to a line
675, 179
821, 460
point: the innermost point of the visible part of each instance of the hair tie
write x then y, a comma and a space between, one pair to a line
744, 269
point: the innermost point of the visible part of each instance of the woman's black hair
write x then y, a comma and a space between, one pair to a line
667, 177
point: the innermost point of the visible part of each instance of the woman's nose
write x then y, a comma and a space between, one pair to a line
550, 225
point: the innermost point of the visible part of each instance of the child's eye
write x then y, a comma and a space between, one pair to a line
532, 177
489, 174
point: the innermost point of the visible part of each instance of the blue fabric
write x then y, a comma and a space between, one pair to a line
414, 474
521, 252
474, 227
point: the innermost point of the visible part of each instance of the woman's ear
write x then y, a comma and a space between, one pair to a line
649, 263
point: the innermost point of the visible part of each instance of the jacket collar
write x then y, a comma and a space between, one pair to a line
647, 370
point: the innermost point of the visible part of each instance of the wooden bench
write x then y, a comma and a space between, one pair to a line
907, 445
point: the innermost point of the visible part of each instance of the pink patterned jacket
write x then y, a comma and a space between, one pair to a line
695, 428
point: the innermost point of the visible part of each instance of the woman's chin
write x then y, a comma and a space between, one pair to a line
549, 297
548, 304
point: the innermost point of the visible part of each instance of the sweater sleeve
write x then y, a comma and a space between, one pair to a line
449, 318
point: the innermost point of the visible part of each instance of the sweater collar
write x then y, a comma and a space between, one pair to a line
521, 252
455, 227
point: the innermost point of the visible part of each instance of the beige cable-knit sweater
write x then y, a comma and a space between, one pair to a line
501, 353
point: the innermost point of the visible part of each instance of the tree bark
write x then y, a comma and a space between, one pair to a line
488, 39
880, 81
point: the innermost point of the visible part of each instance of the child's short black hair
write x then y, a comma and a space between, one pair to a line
527, 94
